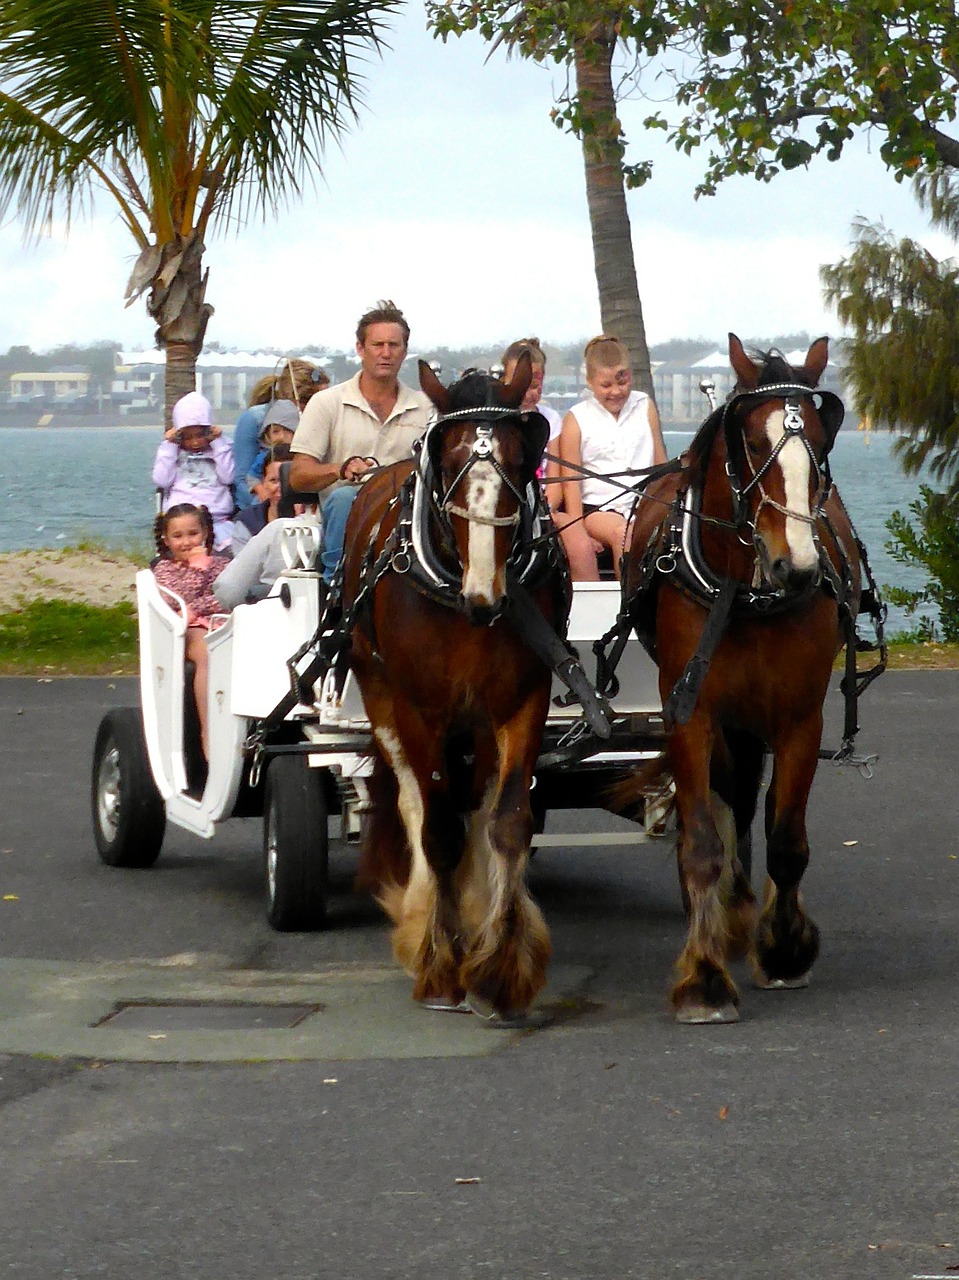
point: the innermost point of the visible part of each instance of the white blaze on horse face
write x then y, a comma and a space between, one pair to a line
794, 464
482, 491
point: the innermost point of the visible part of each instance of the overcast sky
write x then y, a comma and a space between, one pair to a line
456, 196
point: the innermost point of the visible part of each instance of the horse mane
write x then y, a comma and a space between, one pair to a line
472, 390
702, 442
773, 368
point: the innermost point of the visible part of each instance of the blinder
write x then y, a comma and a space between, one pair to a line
828, 406
534, 437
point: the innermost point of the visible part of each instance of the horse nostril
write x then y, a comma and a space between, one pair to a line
479, 615
786, 574
780, 570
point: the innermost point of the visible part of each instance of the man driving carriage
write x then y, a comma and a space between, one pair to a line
368, 421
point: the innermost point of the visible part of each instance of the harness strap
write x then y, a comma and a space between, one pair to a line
647, 473
521, 611
607, 682
681, 702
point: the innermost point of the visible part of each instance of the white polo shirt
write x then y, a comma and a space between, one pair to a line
338, 424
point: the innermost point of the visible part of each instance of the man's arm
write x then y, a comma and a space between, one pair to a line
312, 467
307, 475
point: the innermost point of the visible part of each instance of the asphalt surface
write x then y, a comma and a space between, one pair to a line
819, 1137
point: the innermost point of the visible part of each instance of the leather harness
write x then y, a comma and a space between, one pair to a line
674, 552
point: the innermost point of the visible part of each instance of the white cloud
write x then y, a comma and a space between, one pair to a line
456, 196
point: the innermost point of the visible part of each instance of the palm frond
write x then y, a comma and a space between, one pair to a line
181, 108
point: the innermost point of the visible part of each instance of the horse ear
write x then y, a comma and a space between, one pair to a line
817, 358
512, 392
747, 373
434, 388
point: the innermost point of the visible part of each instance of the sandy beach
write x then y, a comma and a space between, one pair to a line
89, 577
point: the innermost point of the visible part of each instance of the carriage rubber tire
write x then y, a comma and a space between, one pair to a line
129, 817
295, 845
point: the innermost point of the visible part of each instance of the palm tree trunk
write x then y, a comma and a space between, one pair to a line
619, 302
176, 303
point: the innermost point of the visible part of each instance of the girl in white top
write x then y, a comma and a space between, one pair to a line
579, 549
614, 429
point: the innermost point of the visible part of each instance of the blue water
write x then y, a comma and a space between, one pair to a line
63, 485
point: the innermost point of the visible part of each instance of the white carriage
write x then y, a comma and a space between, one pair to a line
300, 756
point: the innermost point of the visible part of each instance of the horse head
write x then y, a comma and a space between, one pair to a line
778, 434
483, 454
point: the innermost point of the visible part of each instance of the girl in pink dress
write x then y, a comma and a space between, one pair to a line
188, 566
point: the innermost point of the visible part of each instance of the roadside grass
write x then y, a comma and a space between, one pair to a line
47, 638
61, 637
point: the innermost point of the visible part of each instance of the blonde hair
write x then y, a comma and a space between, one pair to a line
297, 380
604, 352
516, 349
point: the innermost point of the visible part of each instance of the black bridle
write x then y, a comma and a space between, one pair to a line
485, 418
831, 414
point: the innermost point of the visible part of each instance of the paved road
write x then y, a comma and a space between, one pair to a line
817, 1138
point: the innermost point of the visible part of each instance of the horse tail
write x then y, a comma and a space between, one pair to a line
650, 784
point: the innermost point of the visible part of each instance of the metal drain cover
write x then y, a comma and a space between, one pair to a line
199, 1016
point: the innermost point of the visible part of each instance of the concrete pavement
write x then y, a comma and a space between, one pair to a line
819, 1137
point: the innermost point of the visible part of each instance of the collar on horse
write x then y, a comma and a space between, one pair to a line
676, 551
422, 548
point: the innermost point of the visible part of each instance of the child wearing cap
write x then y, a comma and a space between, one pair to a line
194, 463
279, 425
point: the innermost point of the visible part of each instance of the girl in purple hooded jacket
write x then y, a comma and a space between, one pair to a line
194, 463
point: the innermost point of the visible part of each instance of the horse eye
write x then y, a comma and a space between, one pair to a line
754, 449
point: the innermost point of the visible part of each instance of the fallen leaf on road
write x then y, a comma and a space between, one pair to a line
331, 1080
466, 1182
723, 1113
158, 1035
849, 843
10, 897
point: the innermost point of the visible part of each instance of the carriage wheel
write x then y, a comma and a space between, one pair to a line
295, 845
129, 817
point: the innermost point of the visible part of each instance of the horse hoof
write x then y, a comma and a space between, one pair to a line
515, 1020
781, 984
700, 1014
445, 1004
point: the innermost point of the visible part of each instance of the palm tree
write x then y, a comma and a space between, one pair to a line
189, 114
620, 305
583, 34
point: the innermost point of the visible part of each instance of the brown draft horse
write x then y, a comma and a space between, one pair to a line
456, 698
751, 528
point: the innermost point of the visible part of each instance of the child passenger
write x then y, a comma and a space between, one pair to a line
615, 429
579, 547
188, 566
194, 463
279, 426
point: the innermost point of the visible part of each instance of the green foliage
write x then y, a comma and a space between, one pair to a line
902, 362
760, 87
64, 635
98, 358
767, 88
931, 544
188, 114
197, 109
